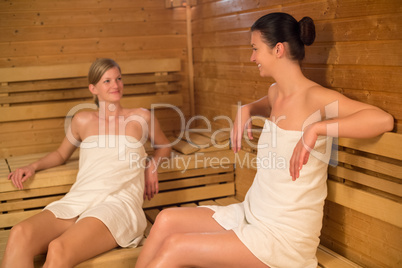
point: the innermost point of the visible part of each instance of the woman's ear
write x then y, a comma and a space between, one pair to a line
279, 50
92, 88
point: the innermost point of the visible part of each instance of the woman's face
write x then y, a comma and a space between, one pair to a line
110, 86
262, 55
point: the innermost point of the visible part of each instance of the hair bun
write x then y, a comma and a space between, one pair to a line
307, 30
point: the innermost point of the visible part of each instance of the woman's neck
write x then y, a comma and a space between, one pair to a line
290, 78
107, 110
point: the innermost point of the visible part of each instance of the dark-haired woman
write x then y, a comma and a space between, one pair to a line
279, 222
103, 208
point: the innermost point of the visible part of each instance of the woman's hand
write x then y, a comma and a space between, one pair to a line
20, 175
151, 181
302, 151
242, 121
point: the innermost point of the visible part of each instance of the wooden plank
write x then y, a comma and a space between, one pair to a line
77, 82
189, 205
41, 111
31, 126
32, 33
129, 13
208, 203
368, 180
340, 53
216, 147
23, 160
32, 73
182, 163
50, 5
191, 194
100, 43
195, 172
46, 178
183, 146
375, 165
197, 140
28, 193
83, 93
15, 162
214, 134
388, 144
4, 170
29, 137
227, 201
11, 219
329, 259
367, 203
43, 72
28, 204
191, 182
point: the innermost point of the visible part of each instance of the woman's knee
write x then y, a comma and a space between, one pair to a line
172, 248
165, 219
21, 235
57, 254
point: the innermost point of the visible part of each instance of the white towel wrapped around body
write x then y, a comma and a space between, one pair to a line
109, 187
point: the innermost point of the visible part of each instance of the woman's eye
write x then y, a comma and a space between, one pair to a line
106, 81
119, 79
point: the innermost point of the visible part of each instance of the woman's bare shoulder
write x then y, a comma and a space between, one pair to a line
84, 116
320, 93
144, 113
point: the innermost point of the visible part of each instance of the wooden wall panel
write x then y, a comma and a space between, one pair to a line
357, 52
55, 32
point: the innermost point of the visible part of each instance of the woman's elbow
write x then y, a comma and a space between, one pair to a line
388, 122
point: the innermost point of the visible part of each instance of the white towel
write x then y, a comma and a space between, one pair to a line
109, 186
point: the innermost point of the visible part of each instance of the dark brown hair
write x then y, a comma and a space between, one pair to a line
281, 27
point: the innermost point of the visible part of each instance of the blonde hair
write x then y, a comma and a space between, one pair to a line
98, 69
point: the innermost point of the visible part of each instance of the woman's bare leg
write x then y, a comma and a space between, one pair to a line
218, 249
83, 240
173, 232
31, 237
175, 220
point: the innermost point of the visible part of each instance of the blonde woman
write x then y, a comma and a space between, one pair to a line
103, 209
